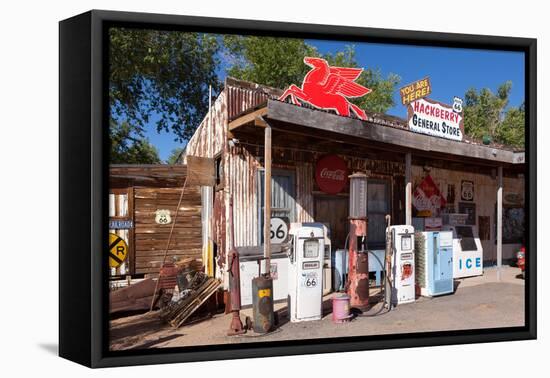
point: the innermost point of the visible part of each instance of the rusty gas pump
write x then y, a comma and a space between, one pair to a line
358, 277
236, 326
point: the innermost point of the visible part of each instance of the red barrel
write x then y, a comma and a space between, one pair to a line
340, 308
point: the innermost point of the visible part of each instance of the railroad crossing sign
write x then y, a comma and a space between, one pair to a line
118, 250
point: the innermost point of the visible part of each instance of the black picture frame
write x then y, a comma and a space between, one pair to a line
470, 209
83, 170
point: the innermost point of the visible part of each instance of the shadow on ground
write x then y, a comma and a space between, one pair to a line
52, 348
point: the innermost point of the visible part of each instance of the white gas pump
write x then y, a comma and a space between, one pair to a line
402, 238
305, 286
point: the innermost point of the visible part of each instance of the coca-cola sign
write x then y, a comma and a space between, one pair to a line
331, 174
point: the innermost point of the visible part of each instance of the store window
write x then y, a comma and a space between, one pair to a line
378, 205
283, 198
513, 224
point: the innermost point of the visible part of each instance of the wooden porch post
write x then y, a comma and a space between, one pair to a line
408, 189
499, 224
267, 199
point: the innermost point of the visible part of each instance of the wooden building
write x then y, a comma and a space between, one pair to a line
142, 204
395, 159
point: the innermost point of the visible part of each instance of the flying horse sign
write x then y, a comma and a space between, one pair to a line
328, 87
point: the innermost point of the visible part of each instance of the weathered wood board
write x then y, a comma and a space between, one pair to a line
151, 237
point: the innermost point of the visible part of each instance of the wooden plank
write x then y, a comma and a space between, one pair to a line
134, 297
200, 171
143, 256
267, 199
349, 127
249, 118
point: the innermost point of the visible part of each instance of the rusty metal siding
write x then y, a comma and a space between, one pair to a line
209, 138
242, 100
239, 165
243, 96
244, 184
304, 192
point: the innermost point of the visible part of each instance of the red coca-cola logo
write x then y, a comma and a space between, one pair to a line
331, 174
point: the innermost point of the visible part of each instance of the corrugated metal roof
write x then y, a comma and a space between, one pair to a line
245, 96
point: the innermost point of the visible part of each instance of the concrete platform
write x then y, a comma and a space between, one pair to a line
478, 302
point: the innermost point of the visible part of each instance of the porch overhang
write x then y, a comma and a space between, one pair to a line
294, 119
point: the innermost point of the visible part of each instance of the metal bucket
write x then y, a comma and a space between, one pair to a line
340, 308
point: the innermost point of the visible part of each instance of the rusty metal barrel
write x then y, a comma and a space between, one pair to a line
262, 304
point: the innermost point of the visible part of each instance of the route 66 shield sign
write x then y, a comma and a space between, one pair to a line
457, 104
162, 216
467, 190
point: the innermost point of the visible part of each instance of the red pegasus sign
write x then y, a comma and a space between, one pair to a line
328, 87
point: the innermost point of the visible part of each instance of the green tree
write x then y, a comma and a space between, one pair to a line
161, 77
174, 155
488, 114
512, 128
126, 149
381, 97
278, 62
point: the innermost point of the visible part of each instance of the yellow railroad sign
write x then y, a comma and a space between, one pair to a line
118, 250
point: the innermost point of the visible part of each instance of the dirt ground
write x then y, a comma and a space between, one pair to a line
478, 302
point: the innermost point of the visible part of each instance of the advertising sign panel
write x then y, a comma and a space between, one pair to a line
414, 91
434, 118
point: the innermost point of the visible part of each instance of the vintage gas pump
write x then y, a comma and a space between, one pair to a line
305, 286
358, 276
402, 242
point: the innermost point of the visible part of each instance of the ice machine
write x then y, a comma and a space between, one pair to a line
467, 251
434, 262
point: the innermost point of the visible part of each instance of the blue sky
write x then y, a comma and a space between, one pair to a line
452, 72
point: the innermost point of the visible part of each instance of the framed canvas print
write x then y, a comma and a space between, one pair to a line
234, 188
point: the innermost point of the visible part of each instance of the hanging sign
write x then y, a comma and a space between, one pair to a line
121, 224
427, 199
414, 91
434, 118
327, 87
331, 174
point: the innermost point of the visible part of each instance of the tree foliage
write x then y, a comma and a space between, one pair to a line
174, 155
126, 149
278, 62
275, 62
381, 97
488, 114
164, 74
512, 128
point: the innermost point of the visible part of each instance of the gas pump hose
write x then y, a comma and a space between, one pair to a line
389, 306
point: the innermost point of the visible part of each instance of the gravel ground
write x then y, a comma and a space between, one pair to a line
479, 302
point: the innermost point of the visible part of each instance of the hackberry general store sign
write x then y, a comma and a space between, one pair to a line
426, 116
